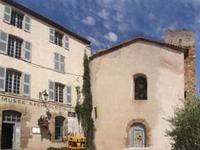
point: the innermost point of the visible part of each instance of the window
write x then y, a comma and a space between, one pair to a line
59, 62
59, 127
58, 38
137, 135
11, 116
59, 92
17, 19
14, 81
140, 87
14, 47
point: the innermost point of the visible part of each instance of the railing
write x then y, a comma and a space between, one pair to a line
137, 148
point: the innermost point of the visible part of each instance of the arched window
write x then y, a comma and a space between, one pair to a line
11, 116
137, 135
140, 87
59, 127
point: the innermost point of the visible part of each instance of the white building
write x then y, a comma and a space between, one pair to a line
37, 54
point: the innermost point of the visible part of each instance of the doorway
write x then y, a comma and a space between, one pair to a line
11, 130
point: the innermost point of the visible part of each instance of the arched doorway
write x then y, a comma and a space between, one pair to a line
11, 130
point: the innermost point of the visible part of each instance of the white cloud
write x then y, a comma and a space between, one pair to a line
111, 36
89, 20
119, 17
103, 14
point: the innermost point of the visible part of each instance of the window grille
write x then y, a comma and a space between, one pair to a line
14, 47
13, 81
17, 19
59, 92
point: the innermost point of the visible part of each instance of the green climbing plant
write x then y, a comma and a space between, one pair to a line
84, 110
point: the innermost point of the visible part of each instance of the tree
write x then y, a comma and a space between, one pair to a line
185, 125
84, 110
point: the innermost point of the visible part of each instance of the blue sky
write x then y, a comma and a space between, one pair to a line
109, 22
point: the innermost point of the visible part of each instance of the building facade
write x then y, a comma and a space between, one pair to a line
136, 86
40, 71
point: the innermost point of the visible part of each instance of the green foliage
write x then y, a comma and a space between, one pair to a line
84, 110
185, 126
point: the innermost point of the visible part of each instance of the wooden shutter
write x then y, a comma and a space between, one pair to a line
27, 24
7, 14
56, 61
27, 51
51, 90
62, 63
2, 78
52, 35
69, 95
66, 42
27, 84
3, 42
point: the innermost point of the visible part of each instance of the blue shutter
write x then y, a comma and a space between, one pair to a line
27, 24
51, 90
27, 84
27, 51
7, 14
2, 78
51, 35
69, 95
56, 61
62, 63
66, 42
3, 42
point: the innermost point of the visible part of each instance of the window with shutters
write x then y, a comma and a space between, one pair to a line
59, 88
14, 47
60, 93
13, 81
58, 38
59, 62
59, 127
17, 19
140, 87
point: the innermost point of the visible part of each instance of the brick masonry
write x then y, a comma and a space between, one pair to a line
186, 39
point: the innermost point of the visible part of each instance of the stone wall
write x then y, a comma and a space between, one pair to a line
185, 39
31, 110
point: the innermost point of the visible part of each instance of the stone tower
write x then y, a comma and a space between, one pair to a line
186, 39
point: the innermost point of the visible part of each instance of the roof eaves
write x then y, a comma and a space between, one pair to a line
184, 50
45, 19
